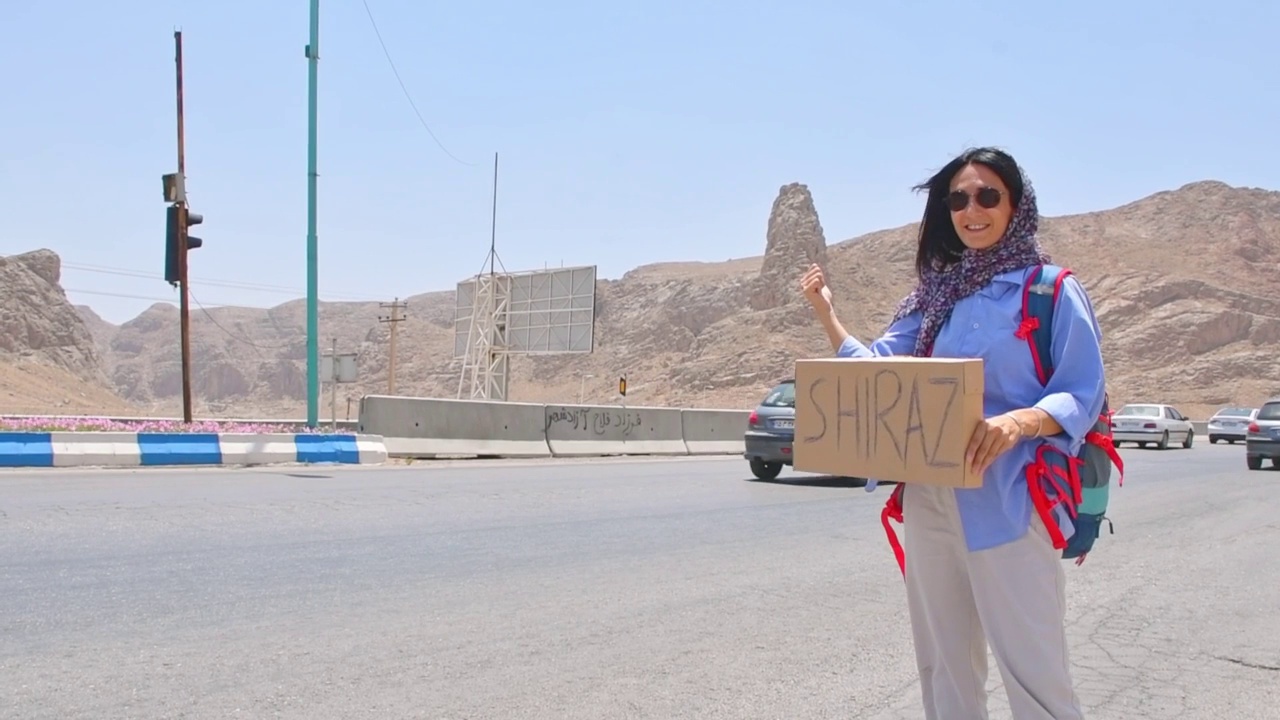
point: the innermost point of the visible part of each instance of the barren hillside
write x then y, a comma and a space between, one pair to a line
48, 361
1185, 283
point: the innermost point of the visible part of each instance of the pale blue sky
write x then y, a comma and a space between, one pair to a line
629, 132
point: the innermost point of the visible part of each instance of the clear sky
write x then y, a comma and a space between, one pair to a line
629, 131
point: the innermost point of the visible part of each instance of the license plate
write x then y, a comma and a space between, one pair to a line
1275, 432
1128, 423
790, 424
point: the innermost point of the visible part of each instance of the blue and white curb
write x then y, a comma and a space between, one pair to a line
117, 449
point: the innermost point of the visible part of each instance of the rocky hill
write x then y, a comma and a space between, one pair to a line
1185, 283
49, 362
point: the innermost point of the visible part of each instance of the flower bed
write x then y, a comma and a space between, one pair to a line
75, 424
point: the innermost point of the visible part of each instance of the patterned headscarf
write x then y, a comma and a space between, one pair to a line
939, 290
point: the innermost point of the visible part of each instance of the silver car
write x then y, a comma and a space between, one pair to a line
771, 428
1263, 440
1230, 424
1151, 424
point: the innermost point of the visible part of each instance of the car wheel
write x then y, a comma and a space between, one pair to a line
1213, 439
1255, 463
765, 470
1164, 441
1191, 436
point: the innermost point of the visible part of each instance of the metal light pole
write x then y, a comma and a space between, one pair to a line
313, 311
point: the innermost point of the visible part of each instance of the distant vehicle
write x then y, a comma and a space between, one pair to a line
1263, 440
771, 429
1147, 424
1230, 424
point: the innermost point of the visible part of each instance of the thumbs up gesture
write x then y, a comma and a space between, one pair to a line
814, 287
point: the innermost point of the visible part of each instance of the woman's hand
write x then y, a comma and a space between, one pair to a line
816, 291
991, 439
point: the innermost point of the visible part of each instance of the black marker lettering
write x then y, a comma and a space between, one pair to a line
817, 407
915, 424
842, 412
865, 403
882, 411
942, 426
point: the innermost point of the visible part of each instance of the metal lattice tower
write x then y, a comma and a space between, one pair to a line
485, 365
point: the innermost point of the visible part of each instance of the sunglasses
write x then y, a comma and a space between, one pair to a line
987, 197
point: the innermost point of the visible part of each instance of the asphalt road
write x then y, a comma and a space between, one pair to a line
601, 589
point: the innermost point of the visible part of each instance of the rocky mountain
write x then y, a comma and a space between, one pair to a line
1185, 283
49, 361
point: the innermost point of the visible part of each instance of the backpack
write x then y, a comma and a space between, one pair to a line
1065, 491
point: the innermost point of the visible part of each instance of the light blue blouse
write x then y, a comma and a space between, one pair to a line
982, 326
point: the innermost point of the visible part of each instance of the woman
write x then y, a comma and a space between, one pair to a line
980, 565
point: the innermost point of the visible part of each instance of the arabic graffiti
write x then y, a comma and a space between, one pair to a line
595, 421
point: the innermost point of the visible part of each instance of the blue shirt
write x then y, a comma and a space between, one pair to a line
982, 326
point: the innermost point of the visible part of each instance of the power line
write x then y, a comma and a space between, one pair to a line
407, 96
258, 287
234, 336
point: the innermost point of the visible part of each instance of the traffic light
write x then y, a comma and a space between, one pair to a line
622, 386
177, 220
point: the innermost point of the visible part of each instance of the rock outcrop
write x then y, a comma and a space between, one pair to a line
794, 240
36, 320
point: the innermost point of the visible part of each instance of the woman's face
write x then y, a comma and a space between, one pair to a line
980, 206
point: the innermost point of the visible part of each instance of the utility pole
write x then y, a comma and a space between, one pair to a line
333, 387
313, 310
394, 319
184, 309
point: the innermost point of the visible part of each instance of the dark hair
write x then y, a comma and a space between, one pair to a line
939, 245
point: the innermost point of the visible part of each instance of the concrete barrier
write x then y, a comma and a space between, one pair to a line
96, 449
1200, 427
114, 449
431, 428
576, 430
241, 449
22, 449
714, 432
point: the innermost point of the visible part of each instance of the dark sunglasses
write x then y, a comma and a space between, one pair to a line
987, 197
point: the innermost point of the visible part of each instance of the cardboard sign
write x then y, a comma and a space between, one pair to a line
903, 419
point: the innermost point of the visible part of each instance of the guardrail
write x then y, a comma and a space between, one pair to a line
435, 428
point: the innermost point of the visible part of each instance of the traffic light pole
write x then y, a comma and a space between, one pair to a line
313, 311
184, 309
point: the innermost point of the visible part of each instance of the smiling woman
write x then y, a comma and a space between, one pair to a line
983, 565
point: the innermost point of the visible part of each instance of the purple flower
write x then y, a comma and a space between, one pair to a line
98, 424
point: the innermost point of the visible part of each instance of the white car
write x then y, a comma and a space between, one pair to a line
1151, 424
1231, 424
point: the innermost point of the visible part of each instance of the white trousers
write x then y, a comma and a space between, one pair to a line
1012, 596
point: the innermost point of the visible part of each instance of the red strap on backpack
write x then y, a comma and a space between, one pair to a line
1108, 445
893, 511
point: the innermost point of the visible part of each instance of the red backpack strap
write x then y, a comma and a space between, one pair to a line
893, 511
1038, 302
1108, 445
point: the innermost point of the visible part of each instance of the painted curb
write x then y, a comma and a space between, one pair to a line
116, 449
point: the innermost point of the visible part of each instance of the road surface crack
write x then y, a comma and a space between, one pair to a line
1250, 665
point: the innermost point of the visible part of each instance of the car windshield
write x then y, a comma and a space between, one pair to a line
783, 395
1235, 412
1140, 411
1270, 411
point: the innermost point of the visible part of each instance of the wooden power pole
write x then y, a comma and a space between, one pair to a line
184, 308
395, 318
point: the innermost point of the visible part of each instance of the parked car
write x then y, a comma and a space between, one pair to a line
1263, 439
1145, 424
771, 428
1230, 424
